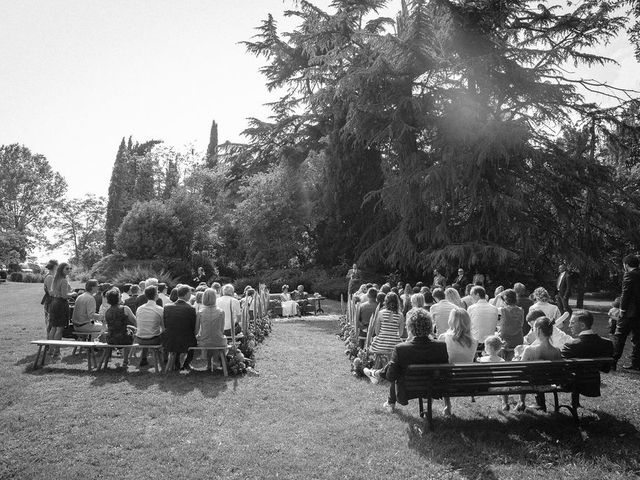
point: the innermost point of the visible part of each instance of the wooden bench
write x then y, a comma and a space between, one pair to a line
107, 350
45, 344
222, 354
482, 379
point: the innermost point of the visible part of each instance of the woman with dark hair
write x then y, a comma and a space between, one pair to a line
52, 266
510, 323
59, 309
389, 326
118, 318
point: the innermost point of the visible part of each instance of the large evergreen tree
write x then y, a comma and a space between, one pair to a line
212, 148
117, 196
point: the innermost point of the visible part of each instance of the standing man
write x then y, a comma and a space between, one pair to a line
354, 276
563, 285
629, 321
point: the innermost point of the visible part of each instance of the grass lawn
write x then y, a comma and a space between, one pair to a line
302, 416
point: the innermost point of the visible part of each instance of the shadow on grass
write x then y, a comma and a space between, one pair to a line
471, 446
323, 325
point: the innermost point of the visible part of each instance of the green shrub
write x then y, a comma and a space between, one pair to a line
108, 268
138, 273
26, 277
15, 276
80, 274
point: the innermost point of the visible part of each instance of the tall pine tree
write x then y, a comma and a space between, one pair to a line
117, 195
212, 148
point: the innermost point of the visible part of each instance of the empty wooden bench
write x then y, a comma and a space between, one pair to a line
575, 376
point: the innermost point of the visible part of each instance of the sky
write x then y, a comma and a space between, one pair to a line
78, 75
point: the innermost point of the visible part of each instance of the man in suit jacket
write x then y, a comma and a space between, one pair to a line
587, 344
563, 285
132, 301
461, 281
629, 321
419, 350
180, 327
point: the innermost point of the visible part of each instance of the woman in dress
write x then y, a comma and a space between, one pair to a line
497, 300
461, 346
543, 350
389, 326
210, 325
452, 296
52, 266
510, 324
59, 309
118, 319
541, 297
289, 307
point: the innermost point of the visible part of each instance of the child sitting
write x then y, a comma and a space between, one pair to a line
492, 347
614, 315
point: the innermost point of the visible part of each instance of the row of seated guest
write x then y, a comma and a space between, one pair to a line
177, 326
460, 346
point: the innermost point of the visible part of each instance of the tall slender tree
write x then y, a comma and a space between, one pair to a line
212, 148
117, 195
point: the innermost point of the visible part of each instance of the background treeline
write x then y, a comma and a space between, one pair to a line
452, 135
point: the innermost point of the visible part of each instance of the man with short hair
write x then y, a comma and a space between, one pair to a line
468, 300
587, 344
150, 322
180, 328
84, 318
440, 311
483, 315
629, 321
365, 311
461, 280
419, 350
563, 286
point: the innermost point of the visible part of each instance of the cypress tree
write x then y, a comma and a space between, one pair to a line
171, 179
212, 149
117, 184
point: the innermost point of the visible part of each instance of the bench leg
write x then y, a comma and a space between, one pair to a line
223, 362
44, 355
89, 349
430, 413
35, 362
556, 403
575, 403
421, 404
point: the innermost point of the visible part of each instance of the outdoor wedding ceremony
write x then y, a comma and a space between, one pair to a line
351, 239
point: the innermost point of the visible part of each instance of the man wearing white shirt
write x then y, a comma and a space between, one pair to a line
85, 319
231, 308
162, 288
440, 311
484, 316
150, 322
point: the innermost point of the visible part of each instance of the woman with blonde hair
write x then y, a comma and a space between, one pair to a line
210, 325
452, 296
389, 325
461, 346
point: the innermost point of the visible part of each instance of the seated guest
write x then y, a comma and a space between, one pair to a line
118, 319
415, 301
452, 296
218, 288
132, 301
558, 337
364, 314
461, 346
587, 343
289, 307
210, 322
231, 308
497, 301
141, 300
180, 328
510, 323
197, 303
104, 305
302, 298
541, 296
150, 319
440, 311
467, 300
493, 346
524, 302
162, 294
420, 350
389, 326
543, 350
173, 296
248, 303
124, 294
84, 318
484, 317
